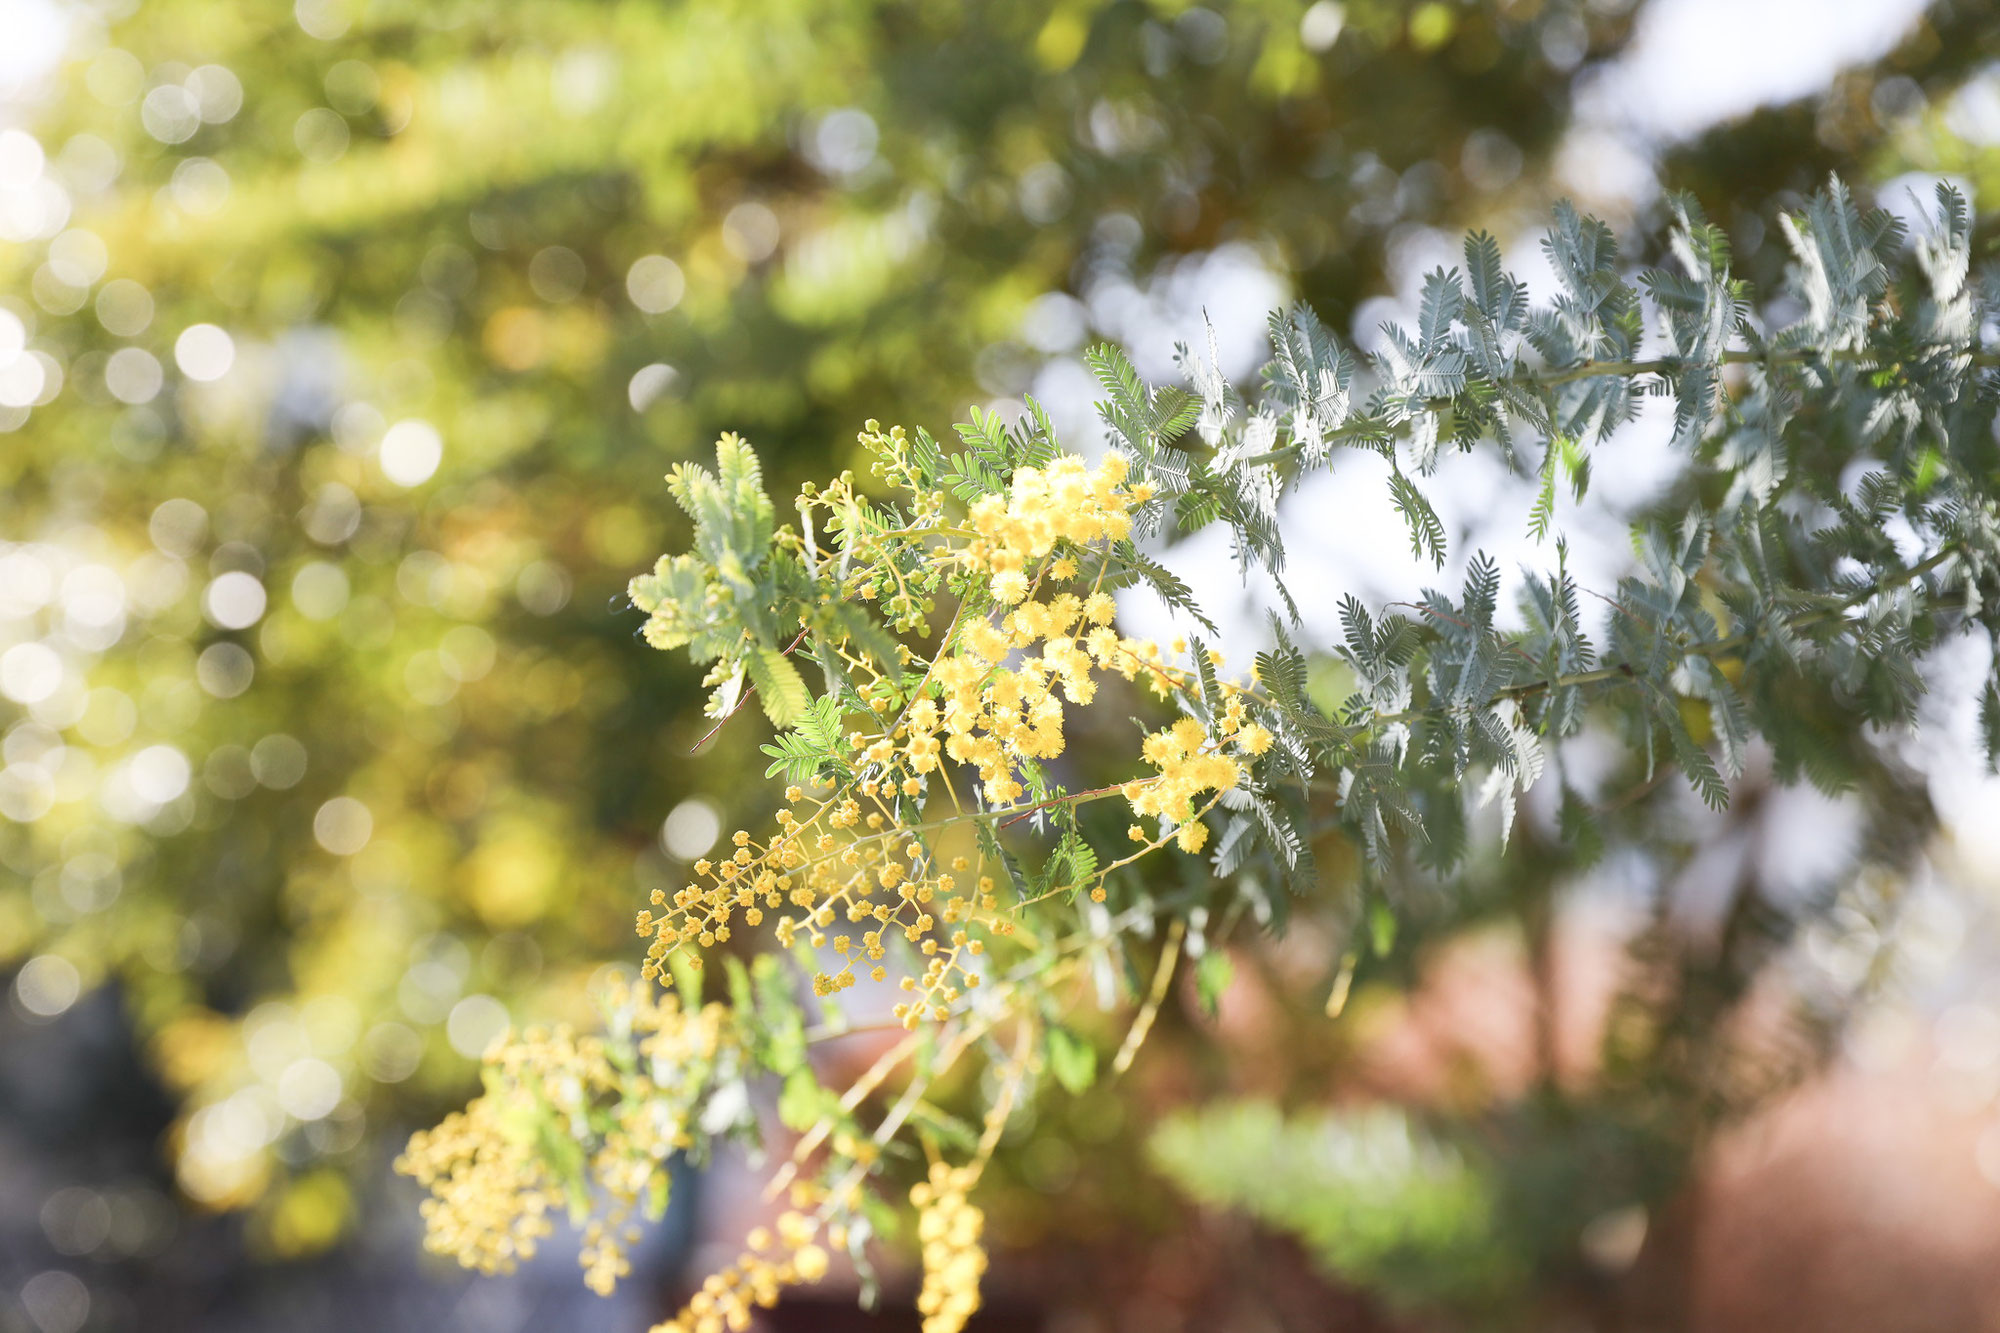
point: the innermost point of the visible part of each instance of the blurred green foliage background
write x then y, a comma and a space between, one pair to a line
343, 348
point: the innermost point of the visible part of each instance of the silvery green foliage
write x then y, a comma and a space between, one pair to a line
1769, 600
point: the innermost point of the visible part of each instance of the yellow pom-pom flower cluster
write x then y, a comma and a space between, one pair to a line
948, 1229
1064, 502
1188, 766
991, 716
1191, 762
773, 1258
493, 1193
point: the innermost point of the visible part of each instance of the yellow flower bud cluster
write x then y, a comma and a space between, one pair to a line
992, 716
1065, 501
1192, 763
1188, 767
830, 865
784, 1255
947, 975
493, 1193
948, 1228
491, 1196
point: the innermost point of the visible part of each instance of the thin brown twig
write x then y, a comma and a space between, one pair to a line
1062, 800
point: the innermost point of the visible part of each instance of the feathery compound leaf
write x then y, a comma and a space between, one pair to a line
1308, 379
1597, 314
1495, 294
1426, 528
986, 436
813, 749
1699, 308
1164, 582
780, 689
1694, 761
1843, 258
1543, 511
742, 489
1442, 300
1145, 420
